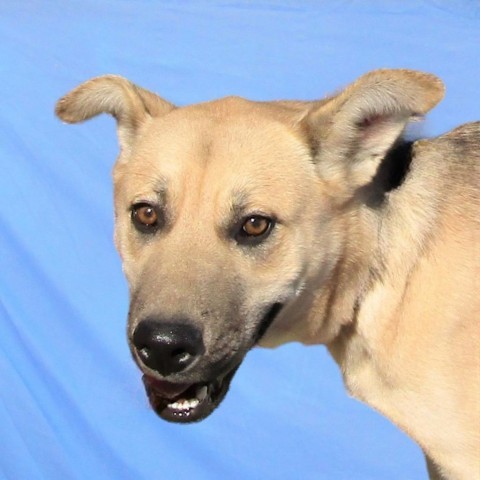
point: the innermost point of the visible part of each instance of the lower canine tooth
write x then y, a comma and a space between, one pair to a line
201, 393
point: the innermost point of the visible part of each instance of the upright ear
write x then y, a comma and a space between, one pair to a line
354, 130
128, 103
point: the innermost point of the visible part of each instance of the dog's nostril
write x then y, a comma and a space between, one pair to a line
167, 347
181, 356
144, 353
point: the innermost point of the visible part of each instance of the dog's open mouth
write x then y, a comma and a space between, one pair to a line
192, 402
186, 403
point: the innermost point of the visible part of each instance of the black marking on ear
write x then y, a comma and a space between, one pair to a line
396, 166
391, 173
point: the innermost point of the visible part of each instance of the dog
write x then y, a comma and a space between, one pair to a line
244, 223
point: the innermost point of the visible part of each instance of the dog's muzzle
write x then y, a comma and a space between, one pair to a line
164, 349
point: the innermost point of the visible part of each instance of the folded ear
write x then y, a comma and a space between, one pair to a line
128, 103
354, 130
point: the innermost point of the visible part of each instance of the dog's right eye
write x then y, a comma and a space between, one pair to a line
254, 229
145, 217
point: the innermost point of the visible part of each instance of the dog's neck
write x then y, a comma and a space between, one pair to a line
398, 234
377, 246
340, 297
336, 304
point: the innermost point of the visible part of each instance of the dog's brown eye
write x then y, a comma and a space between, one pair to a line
254, 229
145, 217
256, 226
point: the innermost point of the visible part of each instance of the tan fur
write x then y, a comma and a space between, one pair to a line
386, 277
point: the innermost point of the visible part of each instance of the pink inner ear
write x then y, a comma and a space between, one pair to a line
369, 121
377, 132
374, 128
379, 119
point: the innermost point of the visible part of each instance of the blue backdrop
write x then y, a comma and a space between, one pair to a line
72, 405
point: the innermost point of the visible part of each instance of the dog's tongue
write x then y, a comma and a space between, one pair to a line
165, 389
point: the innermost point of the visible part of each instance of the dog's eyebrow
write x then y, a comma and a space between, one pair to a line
155, 185
239, 205
160, 191
156, 191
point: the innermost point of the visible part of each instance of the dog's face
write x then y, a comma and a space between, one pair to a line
228, 212
214, 228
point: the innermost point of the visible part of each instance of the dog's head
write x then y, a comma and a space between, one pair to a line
227, 212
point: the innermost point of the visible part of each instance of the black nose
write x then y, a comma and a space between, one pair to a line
167, 347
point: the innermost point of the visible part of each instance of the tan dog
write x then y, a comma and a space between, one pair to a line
243, 222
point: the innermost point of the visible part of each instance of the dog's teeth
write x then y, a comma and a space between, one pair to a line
201, 393
184, 404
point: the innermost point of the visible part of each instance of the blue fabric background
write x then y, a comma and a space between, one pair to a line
72, 405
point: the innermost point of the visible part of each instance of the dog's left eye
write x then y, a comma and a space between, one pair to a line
145, 217
254, 229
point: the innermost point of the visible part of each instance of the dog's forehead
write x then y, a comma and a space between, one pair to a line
231, 133
217, 151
